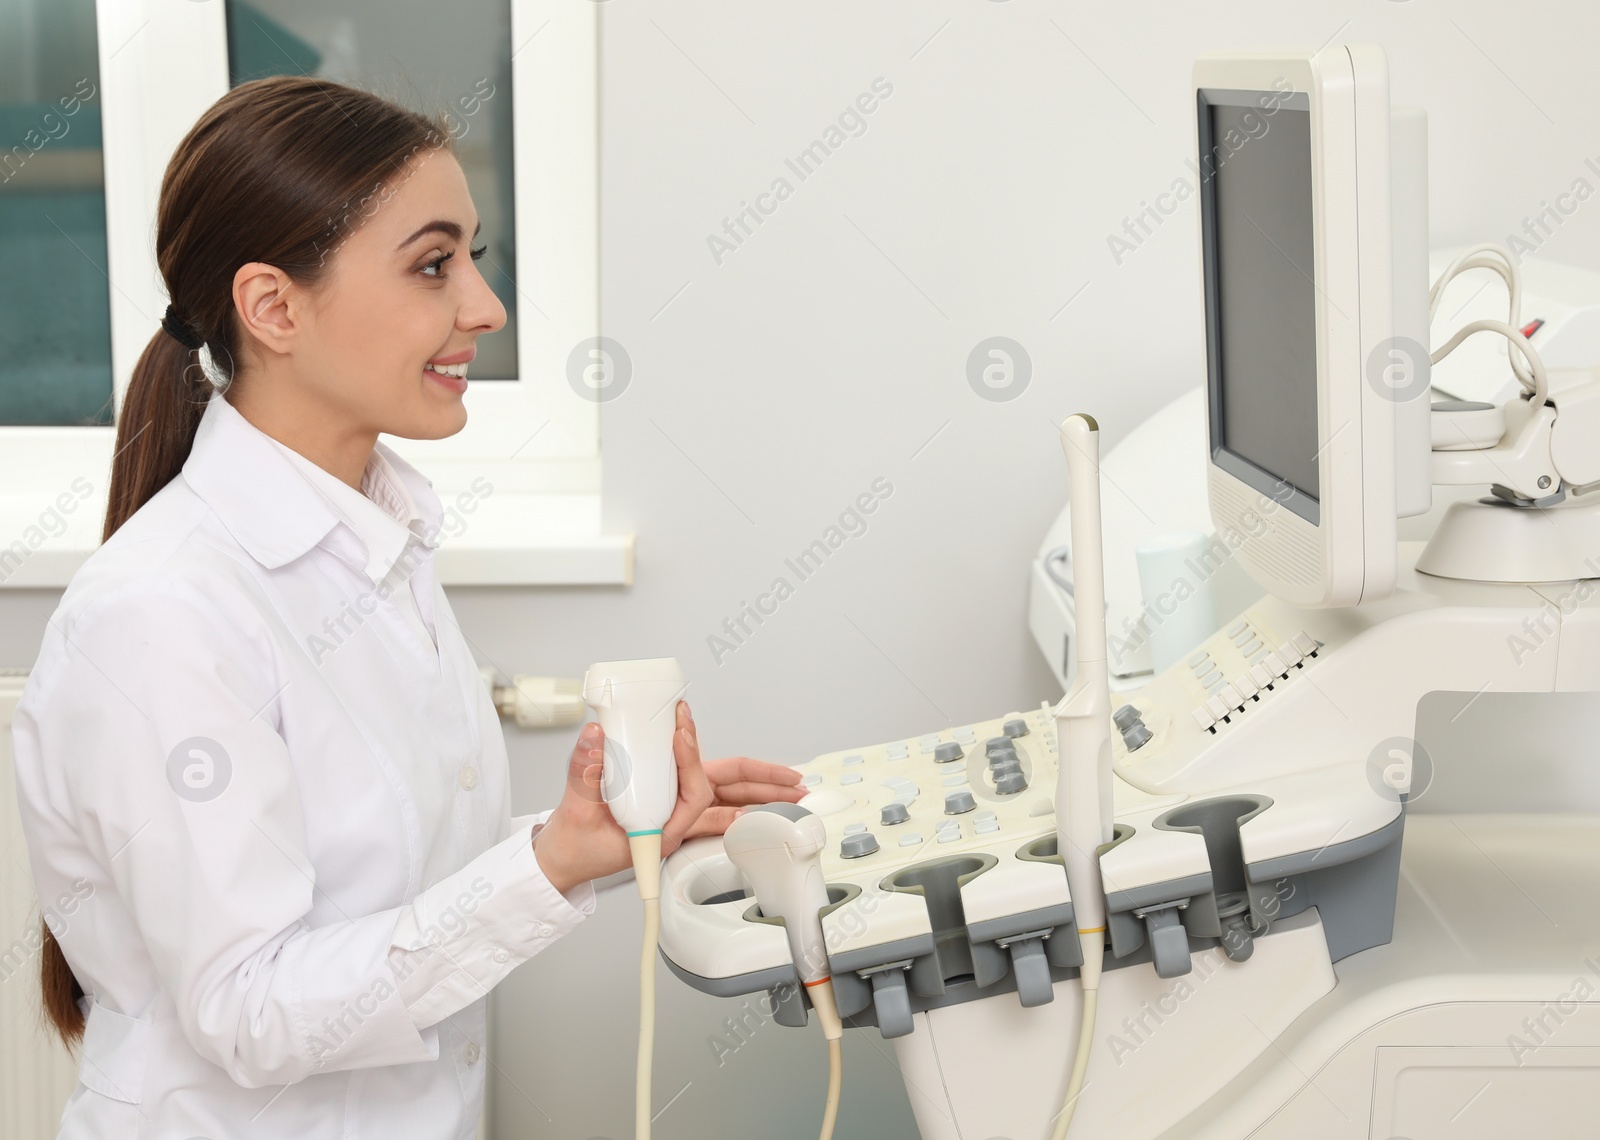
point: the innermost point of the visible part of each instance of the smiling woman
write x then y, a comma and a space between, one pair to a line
314, 240
321, 352
383, 342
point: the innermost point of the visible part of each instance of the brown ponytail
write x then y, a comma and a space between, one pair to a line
281, 171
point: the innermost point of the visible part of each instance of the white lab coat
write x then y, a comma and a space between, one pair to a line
269, 824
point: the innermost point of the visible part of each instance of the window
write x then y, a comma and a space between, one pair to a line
55, 351
530, 153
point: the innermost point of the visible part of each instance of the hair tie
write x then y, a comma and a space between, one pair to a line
180, 330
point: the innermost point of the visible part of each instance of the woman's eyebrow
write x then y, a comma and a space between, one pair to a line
448, 228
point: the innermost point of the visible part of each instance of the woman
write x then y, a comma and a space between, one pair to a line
263, 788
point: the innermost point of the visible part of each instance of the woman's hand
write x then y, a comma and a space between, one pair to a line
581, 841
739, 782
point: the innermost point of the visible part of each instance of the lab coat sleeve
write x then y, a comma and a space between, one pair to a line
462, 935
158, 718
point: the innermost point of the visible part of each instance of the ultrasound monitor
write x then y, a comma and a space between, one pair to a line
1314, 254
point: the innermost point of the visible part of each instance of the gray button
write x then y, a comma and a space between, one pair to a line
855, 846
947, 752
998, 744
1010, 783
957, 802
1136, 736
1008, 764
1015, 727
1002, 756
1125, 716
895, 813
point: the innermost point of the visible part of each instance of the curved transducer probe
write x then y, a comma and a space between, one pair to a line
778, 849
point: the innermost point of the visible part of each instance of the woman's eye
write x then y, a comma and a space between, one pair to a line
439, 261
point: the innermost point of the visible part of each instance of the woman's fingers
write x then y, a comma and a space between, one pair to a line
746, 792
585, 768
712, 821
744, 769
694, 788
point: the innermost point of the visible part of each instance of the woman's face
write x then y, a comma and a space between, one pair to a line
403, 291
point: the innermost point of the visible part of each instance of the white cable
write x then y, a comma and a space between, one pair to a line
1508, 273
1091, 1000
1506, 266
835, 1083
827, 1009
647, 875
1094, 949
647, 1018
1538, 388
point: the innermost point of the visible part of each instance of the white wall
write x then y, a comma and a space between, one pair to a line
830, 349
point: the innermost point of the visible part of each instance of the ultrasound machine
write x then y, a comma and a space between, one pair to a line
1196, 896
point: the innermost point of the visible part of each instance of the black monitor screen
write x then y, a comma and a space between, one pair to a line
1261, 316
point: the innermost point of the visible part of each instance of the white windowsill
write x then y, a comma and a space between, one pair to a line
510, 539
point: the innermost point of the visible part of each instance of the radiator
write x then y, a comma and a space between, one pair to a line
37, 1074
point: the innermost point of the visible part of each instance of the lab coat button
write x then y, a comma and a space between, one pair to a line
501, 954
472, 1052
542, 930
469, 777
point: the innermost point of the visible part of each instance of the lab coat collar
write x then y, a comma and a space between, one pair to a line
274, 513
